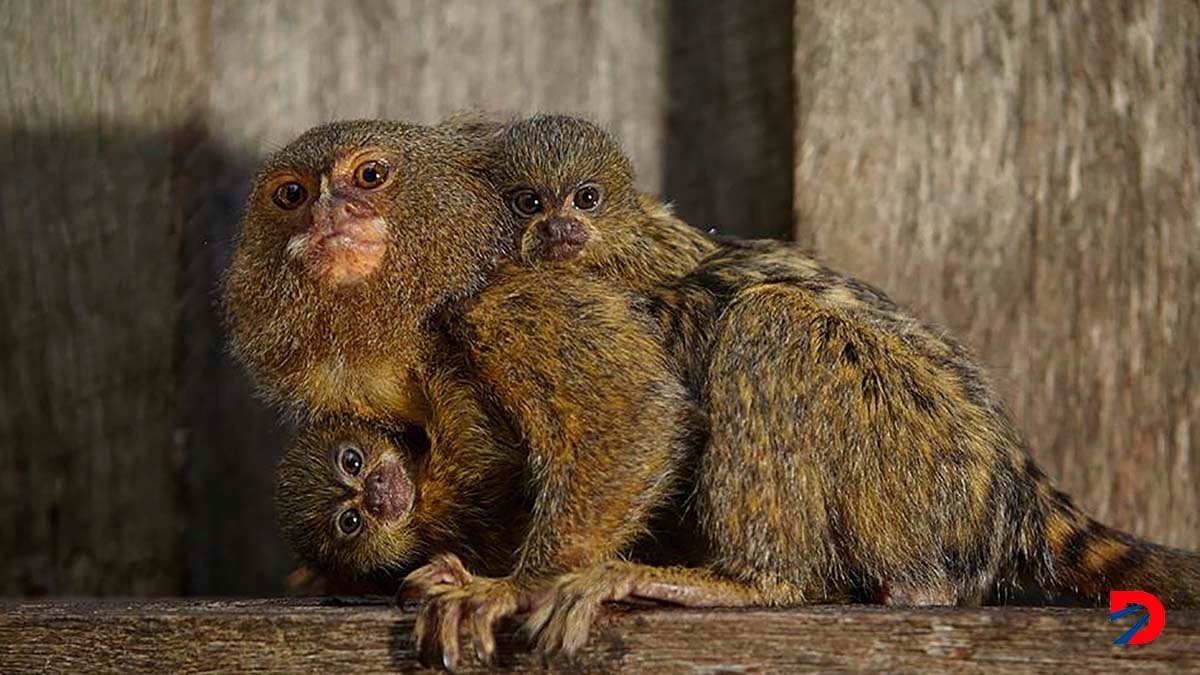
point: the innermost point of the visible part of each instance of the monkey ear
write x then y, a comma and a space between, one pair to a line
655, 207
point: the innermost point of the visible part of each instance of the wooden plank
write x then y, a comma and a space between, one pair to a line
305, 636
1028, 174
89, 312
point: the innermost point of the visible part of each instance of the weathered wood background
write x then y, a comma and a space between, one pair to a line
1026, 173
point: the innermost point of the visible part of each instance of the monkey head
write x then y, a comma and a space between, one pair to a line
570, 188
345, 495
353, 235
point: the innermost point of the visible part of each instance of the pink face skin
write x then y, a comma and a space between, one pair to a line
342, 238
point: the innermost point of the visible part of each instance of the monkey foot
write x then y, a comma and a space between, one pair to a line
472, 607
564, 615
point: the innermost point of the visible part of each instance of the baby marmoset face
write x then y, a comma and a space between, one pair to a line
570, 187
347, 497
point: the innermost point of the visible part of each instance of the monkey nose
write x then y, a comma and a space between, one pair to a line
563, 231
333, 211
388, 492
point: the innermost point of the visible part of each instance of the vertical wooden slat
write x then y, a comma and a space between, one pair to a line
284, 66
728, 146
88, 308
1027, 174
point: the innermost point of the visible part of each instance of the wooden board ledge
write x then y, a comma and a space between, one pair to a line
308, 635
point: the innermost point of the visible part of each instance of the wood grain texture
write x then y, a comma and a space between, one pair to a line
282, 66
302, 636
1028, 174
89, 312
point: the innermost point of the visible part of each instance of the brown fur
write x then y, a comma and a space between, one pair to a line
908, 470
464, 499
565, 361
853, 449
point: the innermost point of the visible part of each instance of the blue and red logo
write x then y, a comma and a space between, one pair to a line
1151, 616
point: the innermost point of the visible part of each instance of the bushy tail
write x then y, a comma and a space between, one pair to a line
1088, 559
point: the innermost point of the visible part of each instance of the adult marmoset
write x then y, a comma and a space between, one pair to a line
852, 449
359, 236
372, 251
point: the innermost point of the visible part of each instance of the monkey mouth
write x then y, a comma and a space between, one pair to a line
342, 255
555, 239
349, 241
560, 250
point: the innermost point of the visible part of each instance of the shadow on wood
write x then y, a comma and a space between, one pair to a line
133, 456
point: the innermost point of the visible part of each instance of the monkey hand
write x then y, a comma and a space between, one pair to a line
560, 625
453, 609
561, 619
443, 572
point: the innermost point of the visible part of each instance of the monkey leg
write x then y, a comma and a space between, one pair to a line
841, 456
761, 490
560, 624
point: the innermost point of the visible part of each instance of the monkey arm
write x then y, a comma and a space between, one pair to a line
468, 505
586, 385
561, 623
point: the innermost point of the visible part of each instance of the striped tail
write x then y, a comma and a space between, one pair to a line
1088, 559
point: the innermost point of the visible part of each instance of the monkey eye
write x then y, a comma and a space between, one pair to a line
587, 197
351, 460
371, 174
349, 522
526, 203
289, 195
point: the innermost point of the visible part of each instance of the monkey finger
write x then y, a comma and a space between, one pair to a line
419, 580
539, 618
483, 629
425, 588
425, 632
543, 602
549, 637
452, 568
447, 632
577, 624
